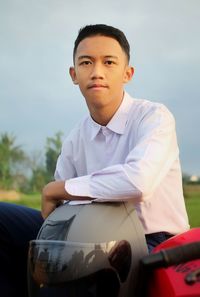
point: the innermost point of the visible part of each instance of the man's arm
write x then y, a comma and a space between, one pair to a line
136, 179
53, 195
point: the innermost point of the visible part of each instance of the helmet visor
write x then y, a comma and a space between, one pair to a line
53, 262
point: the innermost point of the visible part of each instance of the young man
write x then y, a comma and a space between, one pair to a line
125, 149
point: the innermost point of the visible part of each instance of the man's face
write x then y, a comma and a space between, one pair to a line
101, 70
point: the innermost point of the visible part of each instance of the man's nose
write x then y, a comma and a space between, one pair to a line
97, 71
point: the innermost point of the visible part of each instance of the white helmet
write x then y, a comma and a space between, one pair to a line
88, 250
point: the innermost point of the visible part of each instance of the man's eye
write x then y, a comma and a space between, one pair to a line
85, 63
109, 62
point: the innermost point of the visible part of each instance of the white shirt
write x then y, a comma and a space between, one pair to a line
135, 157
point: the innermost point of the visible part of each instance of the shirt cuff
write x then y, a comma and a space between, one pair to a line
78, 186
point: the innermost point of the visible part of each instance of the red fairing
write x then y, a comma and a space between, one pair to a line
171, 282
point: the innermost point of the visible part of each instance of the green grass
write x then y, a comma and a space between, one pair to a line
192, 200
30, 200
191, 193
193, 210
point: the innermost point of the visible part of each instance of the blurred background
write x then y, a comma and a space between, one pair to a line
39, 105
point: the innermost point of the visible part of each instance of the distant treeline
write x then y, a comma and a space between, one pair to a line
26, 173
29, 174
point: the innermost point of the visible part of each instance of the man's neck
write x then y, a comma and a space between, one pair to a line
104, 115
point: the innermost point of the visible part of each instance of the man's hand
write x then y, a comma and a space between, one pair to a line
53, 195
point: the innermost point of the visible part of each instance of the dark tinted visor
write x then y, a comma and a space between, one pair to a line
64, 267
100, 284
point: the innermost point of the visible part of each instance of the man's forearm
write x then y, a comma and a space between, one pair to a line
55, 190
53, 195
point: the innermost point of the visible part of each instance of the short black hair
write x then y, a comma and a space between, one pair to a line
103, 30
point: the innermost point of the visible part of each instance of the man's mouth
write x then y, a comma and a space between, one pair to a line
97, 86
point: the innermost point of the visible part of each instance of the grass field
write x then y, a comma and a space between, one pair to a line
192, 200
191, 193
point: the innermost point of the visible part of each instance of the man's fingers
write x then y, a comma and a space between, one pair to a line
47, 207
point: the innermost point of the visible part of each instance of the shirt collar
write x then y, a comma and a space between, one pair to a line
95, 128
118, 122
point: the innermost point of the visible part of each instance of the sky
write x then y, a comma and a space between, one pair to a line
37, 97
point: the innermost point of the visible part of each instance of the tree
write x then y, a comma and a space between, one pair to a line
53, 147
38, 178
10, 156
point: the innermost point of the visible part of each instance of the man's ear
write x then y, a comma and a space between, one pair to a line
72, 73
128, 74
